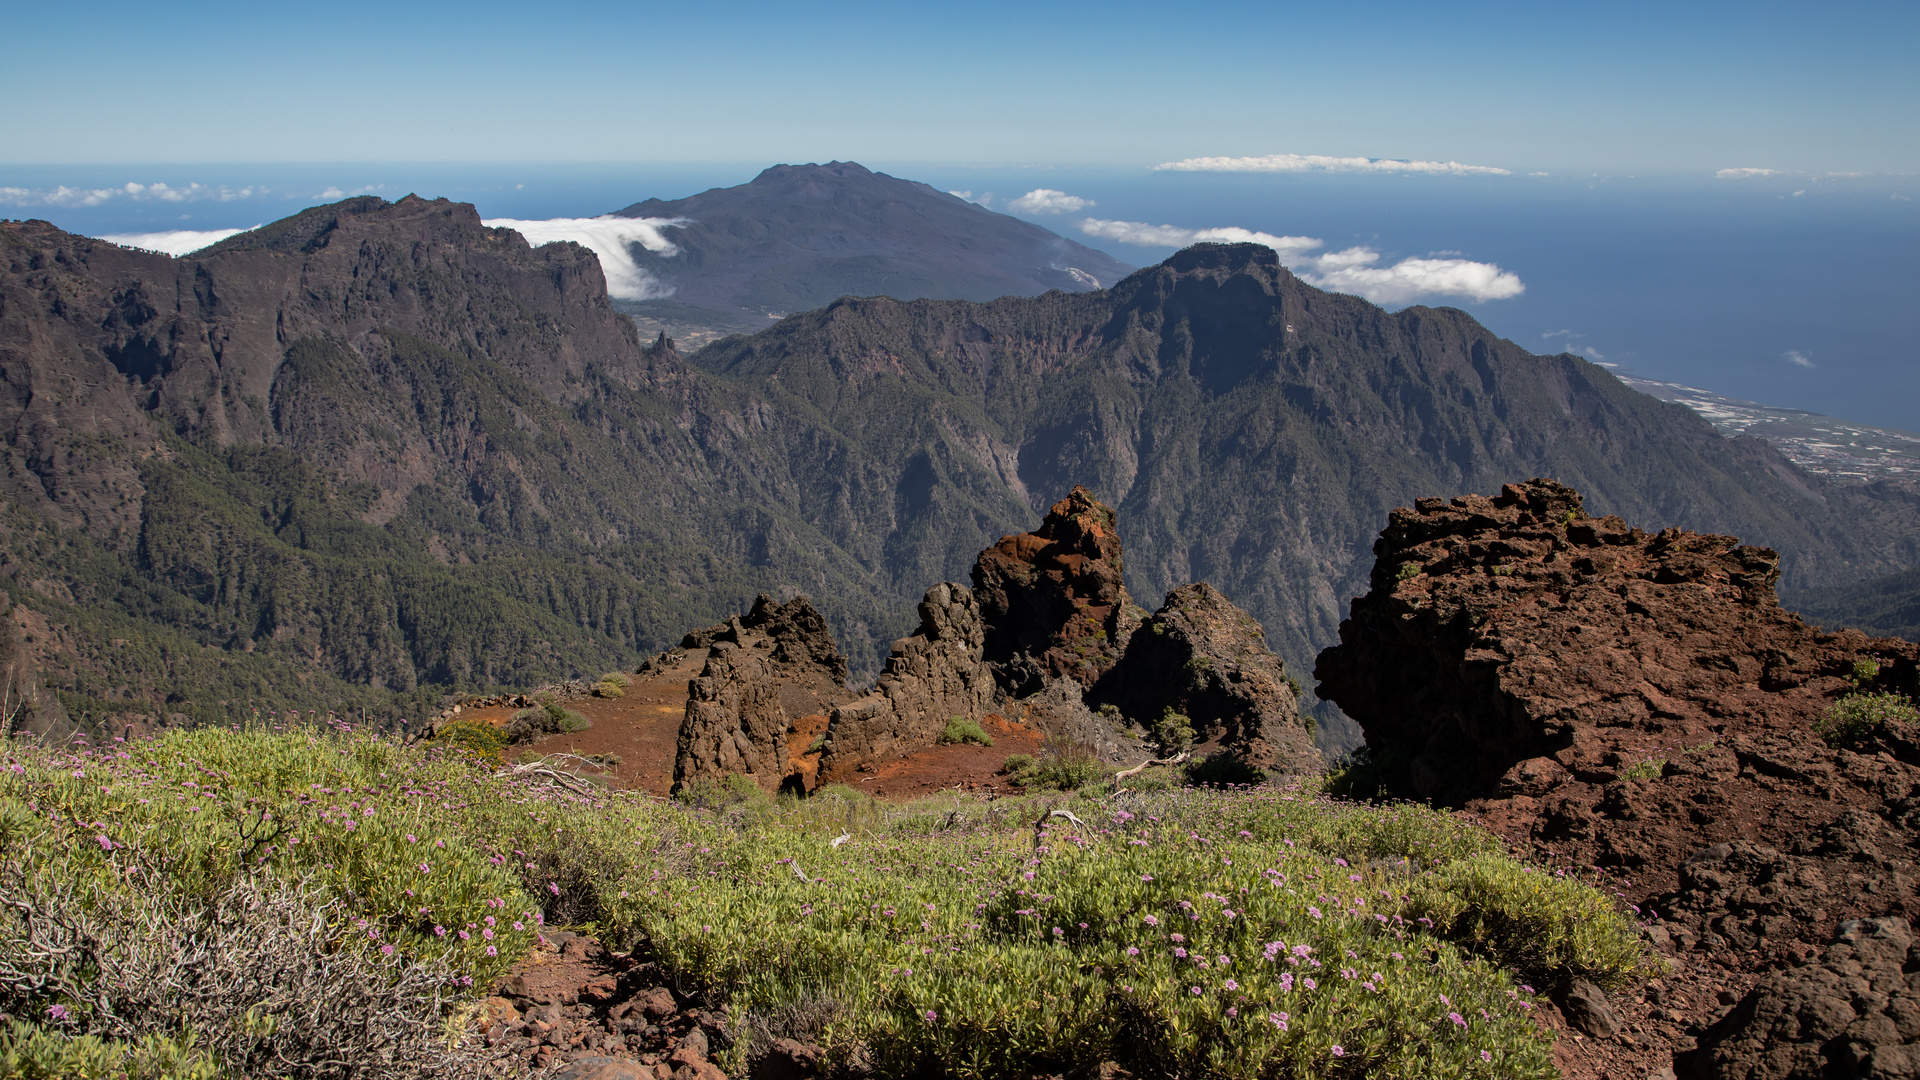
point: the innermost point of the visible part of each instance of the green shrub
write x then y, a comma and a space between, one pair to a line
612, 691
1407, 570
1062, 768
1856, 716
1191, 933
1650, 769
28, 1052
617, 678
962, 730
1173, 731
720, 792
473, 737
1153, 778
1223, 770
1547, 929
546, 719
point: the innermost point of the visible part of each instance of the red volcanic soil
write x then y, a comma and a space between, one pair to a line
642, 729
943, 768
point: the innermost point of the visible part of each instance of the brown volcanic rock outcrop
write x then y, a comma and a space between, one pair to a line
934, 675
1857, 1014
1641, 703
1048, 619
1202, 656
1053, 599
798, 633
1528, 661
763, 672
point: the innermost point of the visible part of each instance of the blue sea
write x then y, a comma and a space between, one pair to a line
1793, 291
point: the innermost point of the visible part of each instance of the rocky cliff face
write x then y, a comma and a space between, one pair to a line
1204, 658
799, 640
1055, 599
933, 676
1640, 703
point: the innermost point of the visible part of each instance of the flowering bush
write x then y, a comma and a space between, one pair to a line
1193, 933
1199, 932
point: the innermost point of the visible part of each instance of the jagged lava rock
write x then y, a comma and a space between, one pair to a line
796, 628
1631, 701
1513, 628
932, 676
762, 672
1856, 1013
1053, 599
1202, 656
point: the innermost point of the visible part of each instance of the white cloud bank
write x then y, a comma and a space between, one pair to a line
1742, 174
611, 238
1048, 201
1797, 358
175, 242
1324, 163
1353, 270
63, 195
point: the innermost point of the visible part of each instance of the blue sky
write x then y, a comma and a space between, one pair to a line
1615, 88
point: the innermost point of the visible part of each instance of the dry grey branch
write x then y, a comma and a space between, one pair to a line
258, 970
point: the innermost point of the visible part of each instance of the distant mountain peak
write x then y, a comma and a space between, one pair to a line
802, 236
1231, 257
831, 168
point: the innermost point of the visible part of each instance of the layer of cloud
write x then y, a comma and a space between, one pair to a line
1797, 358
612, 239
1048, 201
986, 198
1354, 270
175, 242
1324, 163
63, 195
1138, 232
1743, 174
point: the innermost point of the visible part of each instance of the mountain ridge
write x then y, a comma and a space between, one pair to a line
401, 451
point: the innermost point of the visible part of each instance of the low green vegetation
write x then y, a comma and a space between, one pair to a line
1185, 931
1649, 769
962, 730
546, 718
1856, 716
1173, 731
1056, 768
28, 1052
